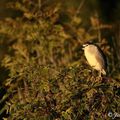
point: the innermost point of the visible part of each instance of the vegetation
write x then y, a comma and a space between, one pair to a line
46, 75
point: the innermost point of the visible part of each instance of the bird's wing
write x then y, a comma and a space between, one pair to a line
101, 58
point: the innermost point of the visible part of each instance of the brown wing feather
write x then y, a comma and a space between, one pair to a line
101, 59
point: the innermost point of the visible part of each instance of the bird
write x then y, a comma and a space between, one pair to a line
95, 57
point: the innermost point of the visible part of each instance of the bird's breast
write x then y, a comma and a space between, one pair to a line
91, 58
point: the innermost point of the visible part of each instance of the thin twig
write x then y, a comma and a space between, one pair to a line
39, 4
80, 6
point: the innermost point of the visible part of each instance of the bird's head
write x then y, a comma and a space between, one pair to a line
86, 45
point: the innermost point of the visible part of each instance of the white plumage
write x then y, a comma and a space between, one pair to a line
95, 57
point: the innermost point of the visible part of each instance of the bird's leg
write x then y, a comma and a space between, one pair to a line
93, 71
100, 75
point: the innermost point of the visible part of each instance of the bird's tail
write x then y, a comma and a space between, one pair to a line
103, 72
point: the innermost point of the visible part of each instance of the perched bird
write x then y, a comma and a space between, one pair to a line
95, 57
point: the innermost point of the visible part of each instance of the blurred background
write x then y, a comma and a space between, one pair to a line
50, 33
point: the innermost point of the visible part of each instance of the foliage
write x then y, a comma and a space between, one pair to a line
48, 76
69, 93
